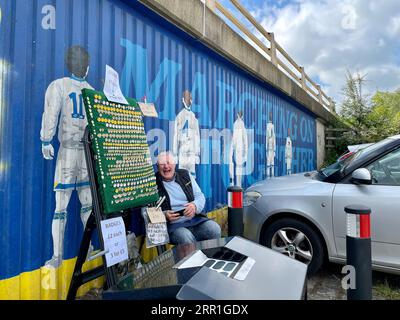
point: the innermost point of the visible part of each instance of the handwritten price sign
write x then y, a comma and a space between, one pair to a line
114, 236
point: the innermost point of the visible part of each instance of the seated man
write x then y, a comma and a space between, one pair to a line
183, 204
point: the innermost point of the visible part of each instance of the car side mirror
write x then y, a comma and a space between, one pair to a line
361, 176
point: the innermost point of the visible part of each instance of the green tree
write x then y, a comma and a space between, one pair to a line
384, 118
367, 119
356, 106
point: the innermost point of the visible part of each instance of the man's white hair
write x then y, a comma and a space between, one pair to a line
166, 154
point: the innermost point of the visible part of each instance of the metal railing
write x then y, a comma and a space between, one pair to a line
275, 53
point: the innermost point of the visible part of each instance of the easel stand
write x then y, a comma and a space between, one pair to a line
94, 222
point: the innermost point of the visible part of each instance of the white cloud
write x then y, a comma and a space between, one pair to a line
394, 27
328, 37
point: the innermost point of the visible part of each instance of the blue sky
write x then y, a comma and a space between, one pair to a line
328, 37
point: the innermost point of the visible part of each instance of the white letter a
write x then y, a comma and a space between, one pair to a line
49, 20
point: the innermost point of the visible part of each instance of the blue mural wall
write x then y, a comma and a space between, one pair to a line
154, 59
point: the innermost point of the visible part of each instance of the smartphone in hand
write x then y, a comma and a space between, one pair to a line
180, 212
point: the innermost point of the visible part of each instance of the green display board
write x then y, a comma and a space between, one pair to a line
123, 164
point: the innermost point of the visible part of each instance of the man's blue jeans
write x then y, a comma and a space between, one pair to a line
203, 231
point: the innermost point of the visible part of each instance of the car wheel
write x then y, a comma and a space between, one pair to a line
296, 240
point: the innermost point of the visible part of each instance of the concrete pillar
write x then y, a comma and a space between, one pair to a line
320, 94
332, 105
274, 59
303, 78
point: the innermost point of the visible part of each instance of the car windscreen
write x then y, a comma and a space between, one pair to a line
340, 166
337, 166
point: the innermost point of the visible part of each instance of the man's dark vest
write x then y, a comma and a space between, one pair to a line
182, 177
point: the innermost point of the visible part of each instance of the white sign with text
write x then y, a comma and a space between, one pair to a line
148, 109
156, 215
112, 90
114, 236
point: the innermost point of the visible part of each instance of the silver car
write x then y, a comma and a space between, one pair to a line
303, 216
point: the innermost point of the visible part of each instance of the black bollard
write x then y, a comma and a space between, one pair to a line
358, 251
235, 211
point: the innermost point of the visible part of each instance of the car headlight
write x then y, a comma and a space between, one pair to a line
250, 197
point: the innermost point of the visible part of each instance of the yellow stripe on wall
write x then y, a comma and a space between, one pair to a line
220, 216
46, 283
9, 289
53, 284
